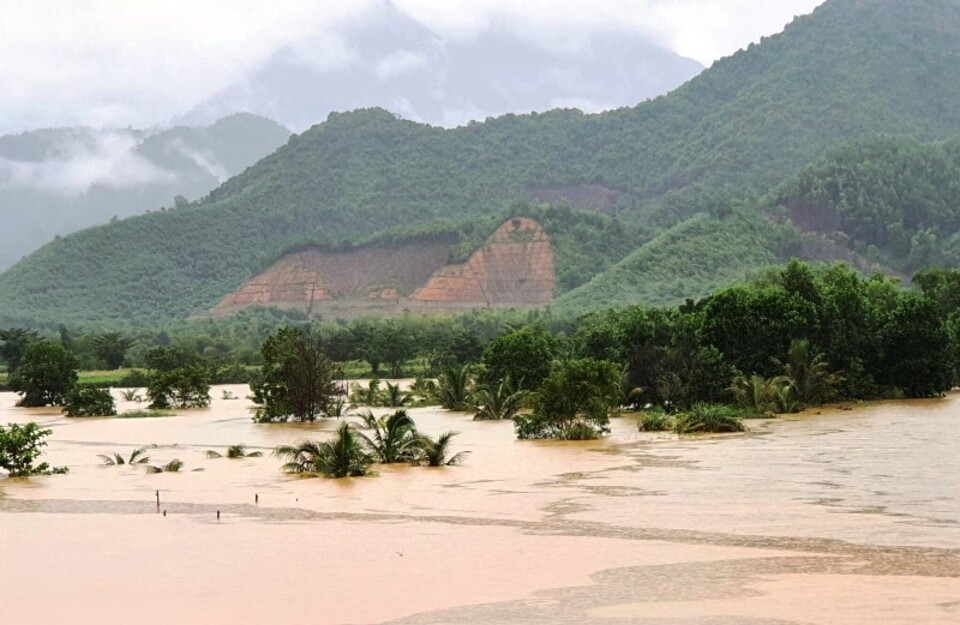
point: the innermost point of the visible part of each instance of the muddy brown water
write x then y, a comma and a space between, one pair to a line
836, 517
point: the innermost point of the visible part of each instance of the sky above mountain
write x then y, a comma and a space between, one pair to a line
142, 63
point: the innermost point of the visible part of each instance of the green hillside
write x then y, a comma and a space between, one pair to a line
896, 201
853, 69
688, 261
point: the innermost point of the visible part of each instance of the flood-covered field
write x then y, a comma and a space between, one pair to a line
836, 517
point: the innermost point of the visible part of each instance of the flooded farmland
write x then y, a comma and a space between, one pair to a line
830, 517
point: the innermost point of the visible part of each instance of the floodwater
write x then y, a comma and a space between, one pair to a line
830, 517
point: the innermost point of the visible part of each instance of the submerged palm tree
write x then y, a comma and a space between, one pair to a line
501, 402
173, 466
235, 451
434, 452
394, 397
368, 395
758, 394
392, 438
344, 456
811, 382
138, 456
453, 387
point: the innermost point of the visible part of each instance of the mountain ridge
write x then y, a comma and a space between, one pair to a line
737, 130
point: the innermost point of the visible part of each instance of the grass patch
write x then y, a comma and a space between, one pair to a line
102, 378
144, 414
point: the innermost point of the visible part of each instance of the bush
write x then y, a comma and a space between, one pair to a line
655, 422
712, 419
90, 402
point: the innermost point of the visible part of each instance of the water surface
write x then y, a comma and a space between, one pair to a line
830, 517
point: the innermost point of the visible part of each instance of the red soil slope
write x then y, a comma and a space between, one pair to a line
514, 268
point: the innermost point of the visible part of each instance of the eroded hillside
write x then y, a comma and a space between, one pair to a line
513, 269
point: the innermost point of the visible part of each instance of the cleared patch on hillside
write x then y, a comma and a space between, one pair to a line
513, 269
590, 197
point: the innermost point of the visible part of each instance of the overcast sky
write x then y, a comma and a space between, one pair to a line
141, 62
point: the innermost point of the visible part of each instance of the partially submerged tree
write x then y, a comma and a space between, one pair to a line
761, 396
298, 379
235, 451
501, 401
344, 456
574, 402
47, 373
90, 402
436, 453
454, 385
391, 438
21, 446
178, 378
811, 382
137, 456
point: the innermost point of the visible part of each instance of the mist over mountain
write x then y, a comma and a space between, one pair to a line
56, 181
387, 59
680, 180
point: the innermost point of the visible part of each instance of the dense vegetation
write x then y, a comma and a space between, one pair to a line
852, 69
894, 200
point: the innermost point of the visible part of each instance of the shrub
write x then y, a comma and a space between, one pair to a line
655, 422
706, 418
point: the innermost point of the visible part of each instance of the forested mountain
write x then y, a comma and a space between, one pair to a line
384, 57
852, 69
56, 181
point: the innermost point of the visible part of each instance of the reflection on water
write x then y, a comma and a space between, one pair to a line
835, 517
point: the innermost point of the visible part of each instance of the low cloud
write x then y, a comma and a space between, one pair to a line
399, 63
106, 159
68, 63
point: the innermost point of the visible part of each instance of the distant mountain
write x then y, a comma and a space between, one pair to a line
687, 172
395, 62
56, 181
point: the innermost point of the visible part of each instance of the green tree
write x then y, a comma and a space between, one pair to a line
752, 326
298, 379
45, 376
13, 345
111, 348
183, 387
916, 349
574, 401
21, 446
525, 355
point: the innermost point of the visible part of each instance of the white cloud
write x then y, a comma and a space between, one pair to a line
399, 63
103, 159
140, 62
